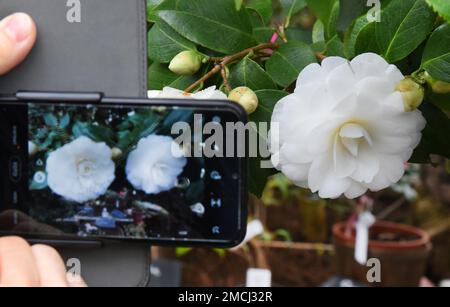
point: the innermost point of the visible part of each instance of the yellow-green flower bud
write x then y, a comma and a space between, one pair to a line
437, 86
116, 153
246, 98
186, 63
412, 93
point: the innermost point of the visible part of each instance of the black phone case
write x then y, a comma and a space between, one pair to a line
106, 51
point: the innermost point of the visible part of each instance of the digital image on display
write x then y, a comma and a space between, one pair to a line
115, 172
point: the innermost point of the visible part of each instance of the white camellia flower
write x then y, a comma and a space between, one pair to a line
168, 92
155, 164
345, 129
80, 171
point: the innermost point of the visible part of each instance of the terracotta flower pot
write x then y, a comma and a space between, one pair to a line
402, 251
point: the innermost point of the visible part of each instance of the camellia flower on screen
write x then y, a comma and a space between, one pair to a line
345, 129
80, 171
155, 164
169, 92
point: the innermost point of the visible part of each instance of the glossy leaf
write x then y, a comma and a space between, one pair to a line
436, 57
160, 76
214, 24
290, 8
249, 73
286, 64
164, 43
442, 7
263, 8
327, 11
404, 25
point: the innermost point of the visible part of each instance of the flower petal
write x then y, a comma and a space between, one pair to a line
310, 74
344, 163
356, 190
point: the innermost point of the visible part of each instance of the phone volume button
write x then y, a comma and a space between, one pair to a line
15, 169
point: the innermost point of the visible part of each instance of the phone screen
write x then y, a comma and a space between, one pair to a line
119, 172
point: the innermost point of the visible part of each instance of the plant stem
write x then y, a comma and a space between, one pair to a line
220, 63
223, 71
229, 59
282, 33
320, 56
211, 73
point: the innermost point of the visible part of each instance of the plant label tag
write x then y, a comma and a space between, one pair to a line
365, 221
259, 278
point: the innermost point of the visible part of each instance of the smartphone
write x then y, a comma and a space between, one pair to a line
78, 167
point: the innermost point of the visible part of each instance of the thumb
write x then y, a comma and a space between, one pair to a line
17, 37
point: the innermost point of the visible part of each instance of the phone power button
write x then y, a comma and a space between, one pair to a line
15, 169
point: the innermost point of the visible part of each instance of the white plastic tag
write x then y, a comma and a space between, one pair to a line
259, 278
365, 221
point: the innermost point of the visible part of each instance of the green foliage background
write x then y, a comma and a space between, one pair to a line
413, 34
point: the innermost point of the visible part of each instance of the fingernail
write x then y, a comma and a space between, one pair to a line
18, 26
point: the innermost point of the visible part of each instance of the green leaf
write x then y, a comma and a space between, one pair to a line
263, 8
404, 25
435, 136
263, 34
267, 101
99, 134
164, 43
152, 8
298, 34
318, 47
436, 57
440, 100
145, 123
290, 8
65, 121
361, 34
285, 64
238, 4
214, 24
50, 120
352, 35
160, 76
335, 47
331, 29
318, 32
442, 7
326, 11
349, 11
249, 73
365, 40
